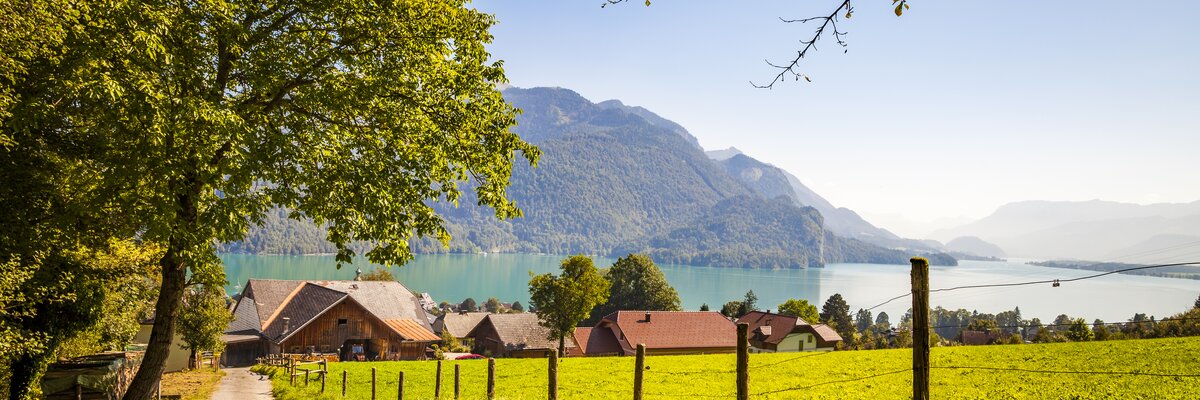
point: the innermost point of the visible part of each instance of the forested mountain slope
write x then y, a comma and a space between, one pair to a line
614, 179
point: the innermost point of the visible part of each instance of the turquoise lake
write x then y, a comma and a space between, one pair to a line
455, 277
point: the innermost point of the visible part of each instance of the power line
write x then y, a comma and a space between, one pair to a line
1070, 324
1039, 371
1043, 281
788, 360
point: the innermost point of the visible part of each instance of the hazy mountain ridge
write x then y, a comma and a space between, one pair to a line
1087, 230
770, 182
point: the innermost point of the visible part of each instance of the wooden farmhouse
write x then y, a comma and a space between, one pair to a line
513, 335
770, 333
663, 333
356, 320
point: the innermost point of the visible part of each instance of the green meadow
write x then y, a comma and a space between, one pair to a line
1129, 369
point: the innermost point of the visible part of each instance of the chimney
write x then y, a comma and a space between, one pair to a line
647, 316
287, 324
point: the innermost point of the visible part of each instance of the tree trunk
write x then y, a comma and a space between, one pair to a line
562, 346
23, 371
170, 296
170, 293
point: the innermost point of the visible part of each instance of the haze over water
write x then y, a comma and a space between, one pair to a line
455, 277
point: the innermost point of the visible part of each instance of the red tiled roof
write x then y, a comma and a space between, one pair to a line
771, 327
596, 341
826, 333
672, 329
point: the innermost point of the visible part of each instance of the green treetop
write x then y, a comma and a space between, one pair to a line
800, 309
356, 115
562, 301
202, 318
637, 284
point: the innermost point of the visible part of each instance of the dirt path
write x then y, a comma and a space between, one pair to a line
241, 384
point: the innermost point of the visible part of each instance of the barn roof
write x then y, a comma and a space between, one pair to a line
459, 324
278, 308
519, 331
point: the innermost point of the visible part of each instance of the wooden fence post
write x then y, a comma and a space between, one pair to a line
920, 306
343, 383
400, 388
437, 381
456, 365
323, 373
743, 361
291, 377
306, 377
491, 384
553, 373
372, 383
639, 366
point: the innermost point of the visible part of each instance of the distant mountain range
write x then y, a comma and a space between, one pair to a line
615, 179
1090, 230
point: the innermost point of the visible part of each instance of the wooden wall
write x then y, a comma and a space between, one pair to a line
348, 321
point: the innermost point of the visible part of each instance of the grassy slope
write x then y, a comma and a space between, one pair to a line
809, 375
197, 384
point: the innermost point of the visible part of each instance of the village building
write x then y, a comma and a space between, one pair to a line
663, 333
978, 338
770, 333
459, 325
355, 320
513, 335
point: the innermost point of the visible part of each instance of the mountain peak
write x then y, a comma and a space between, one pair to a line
724, 154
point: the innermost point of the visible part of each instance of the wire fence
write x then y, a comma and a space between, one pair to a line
667, 374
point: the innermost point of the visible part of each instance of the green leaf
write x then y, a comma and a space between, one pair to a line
899, 9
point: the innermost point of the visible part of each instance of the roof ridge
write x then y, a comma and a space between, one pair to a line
283, 304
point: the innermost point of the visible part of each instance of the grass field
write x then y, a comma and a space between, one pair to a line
1073, 374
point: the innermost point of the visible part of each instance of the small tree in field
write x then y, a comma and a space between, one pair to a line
1079, 331
564, 300
202, 318
517, 307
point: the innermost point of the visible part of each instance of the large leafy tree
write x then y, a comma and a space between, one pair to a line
202, 318
190, 120
801, 309
637, 284
562, 301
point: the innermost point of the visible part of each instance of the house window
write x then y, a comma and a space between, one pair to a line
341, 321
810, 338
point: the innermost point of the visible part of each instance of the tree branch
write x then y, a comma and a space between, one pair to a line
791, 69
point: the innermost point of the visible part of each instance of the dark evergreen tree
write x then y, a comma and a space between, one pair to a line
836, 314
862, 320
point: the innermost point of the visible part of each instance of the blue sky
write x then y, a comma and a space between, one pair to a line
949, 111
